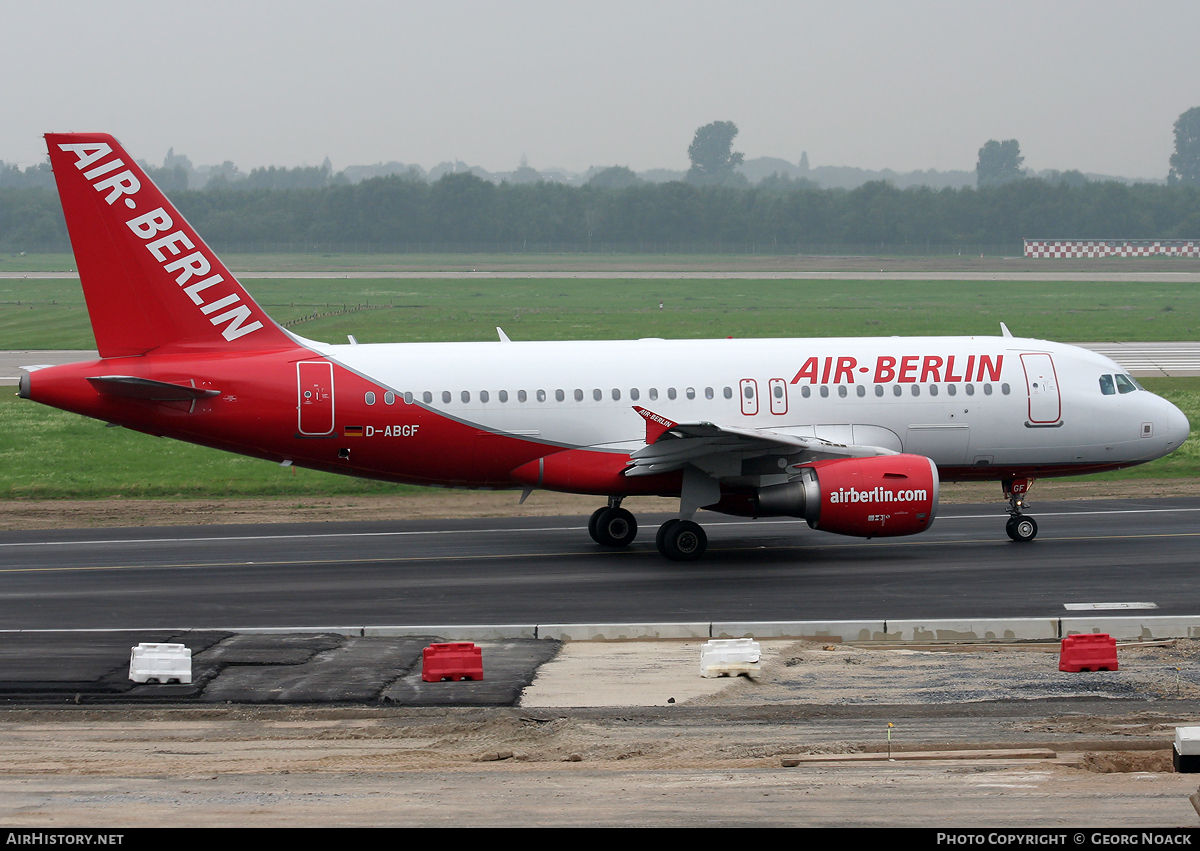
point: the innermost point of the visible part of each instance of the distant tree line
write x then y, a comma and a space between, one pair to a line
461, 209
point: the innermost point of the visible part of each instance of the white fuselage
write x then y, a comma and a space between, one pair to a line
969, 403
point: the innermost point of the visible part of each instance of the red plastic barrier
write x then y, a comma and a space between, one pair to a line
459, 660
1092, 652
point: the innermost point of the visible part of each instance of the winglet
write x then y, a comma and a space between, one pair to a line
503, 336
656, 424
1004, 330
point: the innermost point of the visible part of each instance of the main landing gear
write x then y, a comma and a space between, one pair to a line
678, 540
1019, 527
612, 525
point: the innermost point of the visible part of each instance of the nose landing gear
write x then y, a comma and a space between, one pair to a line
1019, 527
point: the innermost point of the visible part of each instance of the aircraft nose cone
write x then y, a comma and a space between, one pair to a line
1178, 426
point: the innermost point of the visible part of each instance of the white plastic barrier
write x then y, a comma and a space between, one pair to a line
1186, 756
161, 663
729, 657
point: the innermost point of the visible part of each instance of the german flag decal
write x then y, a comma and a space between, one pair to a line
352, 431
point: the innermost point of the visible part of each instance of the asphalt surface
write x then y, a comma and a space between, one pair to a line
547, 570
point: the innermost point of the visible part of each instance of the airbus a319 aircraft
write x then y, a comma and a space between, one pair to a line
852, 435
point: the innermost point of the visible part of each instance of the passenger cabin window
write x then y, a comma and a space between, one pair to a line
671, 393
427, 397
597, 394
483, 395
521, 396
728, 391
503, 394
559, 395
369, 398
691, 392
653, 393
389, 398
466, 396
446, 397
634, 394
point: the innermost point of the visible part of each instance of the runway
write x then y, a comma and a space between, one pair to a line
1107, 556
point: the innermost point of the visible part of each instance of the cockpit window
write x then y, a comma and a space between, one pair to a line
1125, 384
1106, 385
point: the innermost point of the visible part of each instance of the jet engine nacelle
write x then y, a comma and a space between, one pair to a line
882, 496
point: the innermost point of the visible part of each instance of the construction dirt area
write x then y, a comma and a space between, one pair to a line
630, 734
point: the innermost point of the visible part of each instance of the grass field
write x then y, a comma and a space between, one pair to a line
50, 314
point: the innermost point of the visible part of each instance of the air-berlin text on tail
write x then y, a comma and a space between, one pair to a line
194, 265
904, 369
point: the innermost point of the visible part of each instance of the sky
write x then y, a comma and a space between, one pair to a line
1094, 86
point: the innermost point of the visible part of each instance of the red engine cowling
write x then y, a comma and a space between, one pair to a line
883, 496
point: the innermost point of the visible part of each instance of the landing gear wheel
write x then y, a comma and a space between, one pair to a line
662, 533
613, 527
593, 520
682, 540
1021, 528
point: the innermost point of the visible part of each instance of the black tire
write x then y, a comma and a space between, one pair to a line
615, 527
683, 541
661, 537
593, 520
1021, 528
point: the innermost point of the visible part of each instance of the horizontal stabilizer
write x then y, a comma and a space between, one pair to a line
132, 387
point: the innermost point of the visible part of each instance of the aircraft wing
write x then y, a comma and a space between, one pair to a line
671, 446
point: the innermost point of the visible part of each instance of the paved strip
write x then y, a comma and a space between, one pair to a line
748, 275
528, 571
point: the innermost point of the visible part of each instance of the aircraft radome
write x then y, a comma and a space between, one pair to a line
852, 435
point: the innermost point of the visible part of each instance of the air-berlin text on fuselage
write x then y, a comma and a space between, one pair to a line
184, 269
903, 369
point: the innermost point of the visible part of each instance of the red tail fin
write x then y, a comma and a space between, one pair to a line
149, 280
